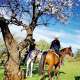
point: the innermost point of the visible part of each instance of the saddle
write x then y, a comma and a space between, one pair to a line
53, 51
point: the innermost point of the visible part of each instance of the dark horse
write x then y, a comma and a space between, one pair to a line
52, 59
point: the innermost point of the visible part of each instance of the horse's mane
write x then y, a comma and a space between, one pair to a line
62, 50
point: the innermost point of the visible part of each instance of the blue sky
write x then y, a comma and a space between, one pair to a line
68, 34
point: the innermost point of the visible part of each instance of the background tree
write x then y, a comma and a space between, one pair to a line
43, 45
77, 55
3, 55
29, 14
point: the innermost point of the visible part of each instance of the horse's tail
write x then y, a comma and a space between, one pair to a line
41, 64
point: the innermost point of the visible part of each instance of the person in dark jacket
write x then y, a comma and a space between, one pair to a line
55, 45
32, 45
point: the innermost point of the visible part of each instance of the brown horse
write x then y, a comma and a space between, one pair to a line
52, 59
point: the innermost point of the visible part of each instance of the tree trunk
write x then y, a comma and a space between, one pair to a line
12, 66
25, 43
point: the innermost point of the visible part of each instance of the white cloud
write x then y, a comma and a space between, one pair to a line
67, 39
47, 33
17, 33
77, 31
78, 37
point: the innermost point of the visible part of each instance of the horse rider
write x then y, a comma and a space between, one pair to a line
55, 45
32, 45
30, 48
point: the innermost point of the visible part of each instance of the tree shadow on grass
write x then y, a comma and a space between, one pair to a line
36, 70
77, 77
52, 74
61, 72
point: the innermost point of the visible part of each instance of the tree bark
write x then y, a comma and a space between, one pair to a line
12, 66
25, 43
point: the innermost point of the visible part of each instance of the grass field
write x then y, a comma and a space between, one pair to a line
68, 71
1, 73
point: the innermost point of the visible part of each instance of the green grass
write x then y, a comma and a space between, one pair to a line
68, 71
1, 72
71, 70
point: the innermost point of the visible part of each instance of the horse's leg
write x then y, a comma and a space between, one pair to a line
41, 67
27, 71
31, 68
49, 71
56, 70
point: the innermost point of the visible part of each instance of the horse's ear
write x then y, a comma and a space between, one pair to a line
70, 47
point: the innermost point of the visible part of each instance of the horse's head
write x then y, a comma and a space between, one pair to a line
33, 53
67, 51
36, 52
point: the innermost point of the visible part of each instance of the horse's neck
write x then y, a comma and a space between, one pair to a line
39, 55
63, 53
